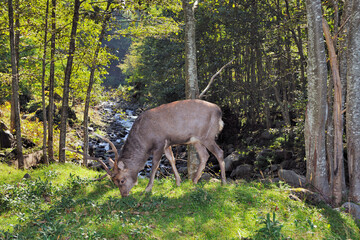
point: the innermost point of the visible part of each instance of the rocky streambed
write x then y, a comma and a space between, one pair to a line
118, 125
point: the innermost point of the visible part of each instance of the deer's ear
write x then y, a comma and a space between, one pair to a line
121, 165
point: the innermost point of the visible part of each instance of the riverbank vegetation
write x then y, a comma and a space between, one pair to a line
63, 202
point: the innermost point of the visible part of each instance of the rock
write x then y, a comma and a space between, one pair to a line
282, 155
27, 143
70, 112
273, 168
205, 177
39, 113
57, 97
31, 160
288, 164
352, 208
243, 171
291, 178
27, 176
302, 194
182, 170
266, 135
3, 126
229, 161
6, 139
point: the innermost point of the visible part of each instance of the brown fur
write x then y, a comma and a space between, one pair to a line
194, 122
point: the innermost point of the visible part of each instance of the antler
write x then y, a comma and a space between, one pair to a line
92, 158
113, 149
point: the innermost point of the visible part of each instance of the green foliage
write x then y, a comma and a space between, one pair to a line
268, 72
32, 31
271, 230
61, 201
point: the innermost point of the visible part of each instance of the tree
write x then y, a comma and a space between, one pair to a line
316, 166
353, 102
15, 84
93, 67
66, 87
337, 169
191, 81
43, 85
52, 83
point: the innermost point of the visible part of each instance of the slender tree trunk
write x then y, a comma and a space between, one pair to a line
15, 85
68, 69
91, 81
191, 82
338, 164
52, 84
15, 10
353, 103
316, 174
43, 85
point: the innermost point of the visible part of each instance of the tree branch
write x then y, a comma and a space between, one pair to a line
213, 77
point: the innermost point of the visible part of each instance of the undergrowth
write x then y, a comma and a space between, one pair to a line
63, 202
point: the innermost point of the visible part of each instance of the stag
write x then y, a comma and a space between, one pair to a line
195, 122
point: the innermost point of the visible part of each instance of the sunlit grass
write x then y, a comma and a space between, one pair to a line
78, 208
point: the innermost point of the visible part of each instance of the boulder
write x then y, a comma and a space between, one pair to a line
182, 170
205, 177
291, 178
352, 208
230, 160
31, 160
6, 138
3, 126
266, 135
288, 164
243, 171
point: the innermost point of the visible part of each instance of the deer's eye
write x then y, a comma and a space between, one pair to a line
122, 181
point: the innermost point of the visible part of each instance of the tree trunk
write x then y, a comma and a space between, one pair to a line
68, 69
191, 81
43, 85
91, 81
338, 164
52, 84
15, 85
15, 12
316, 174
353, 103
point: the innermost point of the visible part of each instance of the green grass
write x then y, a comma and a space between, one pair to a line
62, 202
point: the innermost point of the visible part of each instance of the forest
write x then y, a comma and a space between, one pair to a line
285, 74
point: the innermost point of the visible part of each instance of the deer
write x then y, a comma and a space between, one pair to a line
155, 131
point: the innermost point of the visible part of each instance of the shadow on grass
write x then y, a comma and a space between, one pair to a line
338, 224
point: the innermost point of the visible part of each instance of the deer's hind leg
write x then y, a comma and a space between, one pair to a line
219, 154
204, 156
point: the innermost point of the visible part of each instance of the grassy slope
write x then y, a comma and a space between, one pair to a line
73, 207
